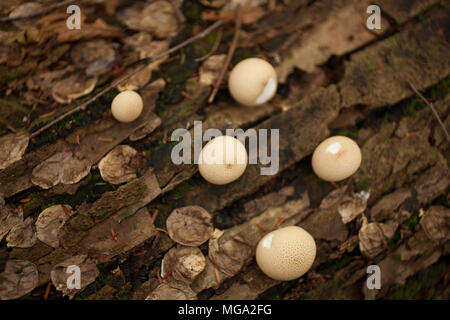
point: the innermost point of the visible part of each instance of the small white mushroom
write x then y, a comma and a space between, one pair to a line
336, 158
222, 160
286, 254
253, 82
127, 106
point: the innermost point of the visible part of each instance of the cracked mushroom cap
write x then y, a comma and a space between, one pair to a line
222, 160
127, 106
336, 158
286, 254
253, 82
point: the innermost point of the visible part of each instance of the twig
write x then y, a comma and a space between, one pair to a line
11, 129
279, 223
155, 213
156, 240
145, 62
217, 274
66, 210
47, 290
432, 109
237, 32
162, 230
39, 13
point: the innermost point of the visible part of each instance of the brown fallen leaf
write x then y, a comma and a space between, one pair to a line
94, 56
144, 50
183, 263
172, 291
73, 87
374, 236
23, 10
9, 218
49, 224
436, 223
63, 167
211, 68
18, 279
116, 167
22, 235
58, 29
12, 147
190, 226
158, 18
88, 271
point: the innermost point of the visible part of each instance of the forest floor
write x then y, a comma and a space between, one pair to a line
336, 78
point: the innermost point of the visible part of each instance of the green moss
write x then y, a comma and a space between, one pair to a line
88, 192
192, 11
421, 285
348, 132
362, 185
123, 295
371, 65
341, 263
413, 107
244, 53
394, 242
180, 190
411, 222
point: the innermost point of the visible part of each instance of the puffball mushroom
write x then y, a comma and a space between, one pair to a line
253, 82
127, 106
222, 160
336, 158
286, 254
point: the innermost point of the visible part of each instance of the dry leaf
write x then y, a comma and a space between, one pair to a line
146, 50
73, 87
95, 56
50, 222
18, 279
334, 197
117, 166
183, 264
229, 256
211, 68
9, 218
63, 168
88, 272
373, 237
436, 223
12, 147
352, 206
22, 235
190, 226
55, 25
23, 10
172, 291
157, 17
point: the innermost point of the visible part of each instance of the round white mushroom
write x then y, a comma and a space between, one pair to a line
336, 158
127, 106
286, 254
222, 160
253, 82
